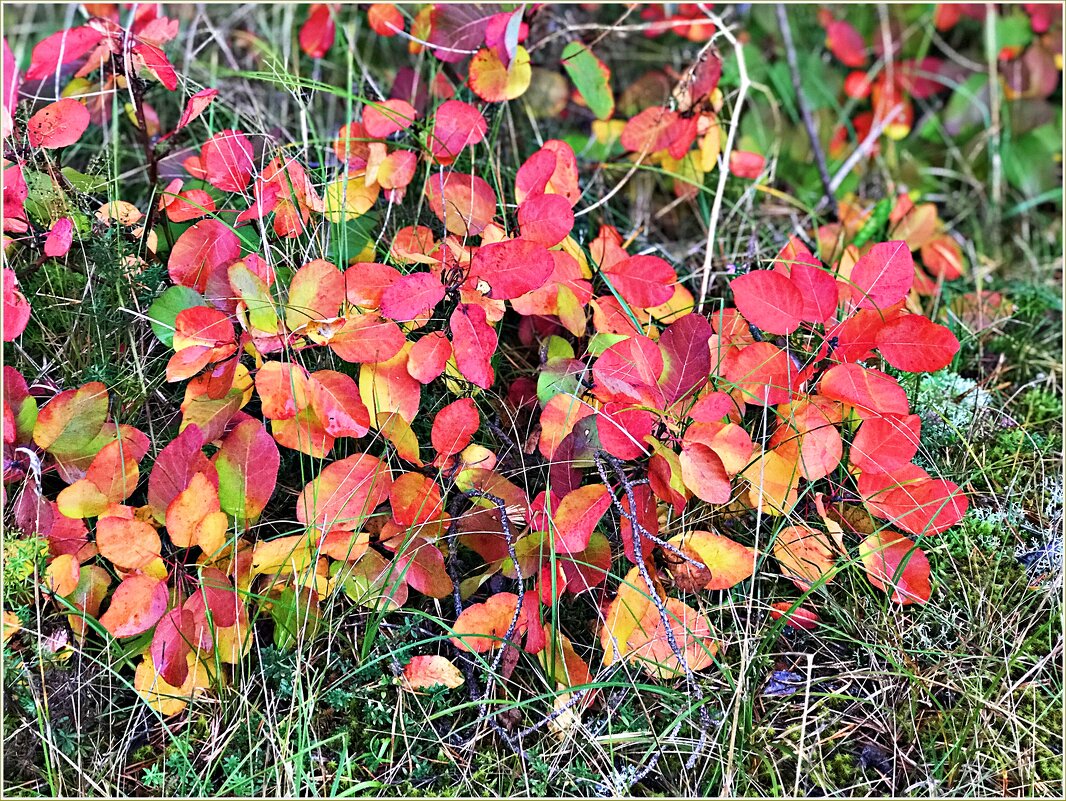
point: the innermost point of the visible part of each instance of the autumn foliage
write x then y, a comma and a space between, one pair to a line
777, 403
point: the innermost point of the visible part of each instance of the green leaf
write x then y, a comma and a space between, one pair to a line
44, 201
348, 239
164, 311
1013, 30
85, 183
591, 77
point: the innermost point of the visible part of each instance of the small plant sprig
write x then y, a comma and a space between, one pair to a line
775, 407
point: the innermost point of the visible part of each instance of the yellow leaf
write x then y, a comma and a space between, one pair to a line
348, 199
283, 555
82, 499
12, 625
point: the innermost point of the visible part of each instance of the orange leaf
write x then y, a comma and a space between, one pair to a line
129, 544
415, 499
138, 603
344, 493
63, 574
423, 672
58, 124
804, 555
282, 388
481, 627
728, 562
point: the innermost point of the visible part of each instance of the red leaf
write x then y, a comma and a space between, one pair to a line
171, 646
206, 248
818, 290
474, 341
871, 392
16, 308
366, 282
895, 564
643, 281
883, 276
551, 169
219, 597
630, 370
429, 356
318, 32
686, 356
175, 466
137, 604
227, 160
61, 48
388, 117
799, 618
411, 296
769, 301
916, 344
196, 106
704, 474
512, 267
885, 444
155, 61
247, 465
58, 124
745, 164
422, 565
202, 325
344, 494
337, 404
465, 204
457, 29
188, 205
857, 336
454, 426
764, 374
912, 500
622, 429
455, 126
546, 219
59, 238
711, 407
577, 515
845, 43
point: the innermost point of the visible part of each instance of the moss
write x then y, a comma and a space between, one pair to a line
838, 772
1038, 406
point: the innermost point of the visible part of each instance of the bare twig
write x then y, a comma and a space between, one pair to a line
723, 167
864, 147
664, 615
828, 198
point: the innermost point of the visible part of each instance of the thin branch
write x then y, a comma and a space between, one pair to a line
865, 146
828, 198
723, 169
